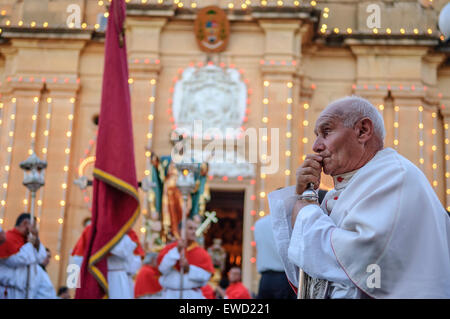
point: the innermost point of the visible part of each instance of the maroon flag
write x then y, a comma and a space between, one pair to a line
115, 198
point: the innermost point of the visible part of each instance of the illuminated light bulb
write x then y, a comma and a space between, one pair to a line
388, 31
39, 202
69, 134
349, 30
305, 140
70, 117
60, 220
434, 166
13, 100
150, 117
25, 202
180, 5
289, 116
395, 142
106, 14
47, 116
230, 5
446, 126
396, 108
9, 149
265, 101
421, 143
448, 191
416, 31
375, 30
6, 168
13, 116
395, 124
193, 5
263, 157
243, 6
262, 194
142, 229
430, 31
45, 24
67, 151
20, 23
381, 107
263, 175
447, 157
30, 151
433, 131
34, 117
306, 106
96, 26
130, 81
287, 172
3, 203
287, 153
289, 100
279, 3
148, 153
323, 30
421, 125
402, 31
36, 99
325, 15
303, 157
46, 133
263, 2
152, 81
57, 257
305, 123
433, 114
447, 141
336, 30
435, 183
434, 148
62, 203
32, 134
262, 213
421, 161
64, 186
266, 83
65, 168
264, 138
100, 3
447, 175
11, 134
265, 119
151, 99
147, 172
149, 135
420, 108
313, 3
290, 84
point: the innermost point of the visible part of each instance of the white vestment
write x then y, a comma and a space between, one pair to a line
170, 278
387, 235
44, 289
13, 272
121, 263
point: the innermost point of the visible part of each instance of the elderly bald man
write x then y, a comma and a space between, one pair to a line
380, 233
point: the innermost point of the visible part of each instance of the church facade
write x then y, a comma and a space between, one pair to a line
282, 63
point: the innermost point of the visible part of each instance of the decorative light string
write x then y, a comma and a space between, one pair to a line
288, 152
381, 108
7, 168
265, 141
305, 125
65, 178
44, 152
2, 111
148, 152
421, 141
434, 149
33, 142
396, 126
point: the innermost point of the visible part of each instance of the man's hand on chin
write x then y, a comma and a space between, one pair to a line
299, 204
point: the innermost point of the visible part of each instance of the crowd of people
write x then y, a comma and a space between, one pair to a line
182, 269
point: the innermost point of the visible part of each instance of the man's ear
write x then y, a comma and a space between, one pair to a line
364, 130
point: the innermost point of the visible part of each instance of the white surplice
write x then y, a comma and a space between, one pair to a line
387, 221
170, 278
14, 272
44, 289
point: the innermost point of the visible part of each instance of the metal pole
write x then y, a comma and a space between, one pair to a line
183, 238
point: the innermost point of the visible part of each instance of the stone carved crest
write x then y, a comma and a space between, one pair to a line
216, 99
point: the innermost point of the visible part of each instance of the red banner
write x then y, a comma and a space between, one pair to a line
115, 198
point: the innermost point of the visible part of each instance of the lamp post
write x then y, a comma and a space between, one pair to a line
186, 185
33, 179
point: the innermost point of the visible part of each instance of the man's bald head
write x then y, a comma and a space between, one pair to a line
351, 109
350, 131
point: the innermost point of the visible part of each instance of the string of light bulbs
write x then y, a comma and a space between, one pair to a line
7, 168
288, 153
421, 140
65, 178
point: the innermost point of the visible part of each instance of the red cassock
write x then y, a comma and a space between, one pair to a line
195, 255
147, 282
237, 291
14, 241
208, 292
